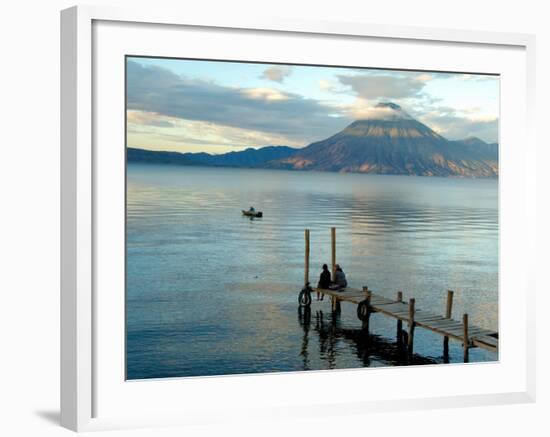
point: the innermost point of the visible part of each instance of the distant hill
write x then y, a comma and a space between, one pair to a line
156, 157
389, 141
480, 148
246, 158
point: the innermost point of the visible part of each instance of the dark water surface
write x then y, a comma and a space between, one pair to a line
210, 292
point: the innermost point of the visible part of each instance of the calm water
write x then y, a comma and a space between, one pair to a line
210, 292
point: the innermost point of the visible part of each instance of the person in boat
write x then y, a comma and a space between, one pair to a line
324, 281
252, 210
340, 278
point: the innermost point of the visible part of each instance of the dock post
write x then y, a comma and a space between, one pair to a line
466, 339
306, 261
399, 322
448, 315
366, 319
410, 344
335, 304
333, 251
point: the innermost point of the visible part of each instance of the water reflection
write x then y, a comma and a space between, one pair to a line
368, 348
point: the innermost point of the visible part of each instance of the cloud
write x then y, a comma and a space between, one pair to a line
194, 136
473, 77
424, 77
177, 108
362, 109
276, 73
148, 119
268, 94
455, 125
326, 85
380, 86
157, 90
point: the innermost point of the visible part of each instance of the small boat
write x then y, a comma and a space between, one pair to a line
252, 213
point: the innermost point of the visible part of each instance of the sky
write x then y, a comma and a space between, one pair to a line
218, 106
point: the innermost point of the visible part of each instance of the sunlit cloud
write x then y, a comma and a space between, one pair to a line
326, 85
175, 134
424, 77
268, 94
148, 119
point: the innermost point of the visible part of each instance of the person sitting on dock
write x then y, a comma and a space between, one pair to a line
324, 281
340, 278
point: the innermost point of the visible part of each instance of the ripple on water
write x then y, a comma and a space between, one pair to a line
212, 292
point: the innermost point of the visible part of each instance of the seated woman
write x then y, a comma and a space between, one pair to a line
340, 278
324, 281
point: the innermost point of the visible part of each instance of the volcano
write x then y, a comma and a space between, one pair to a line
390, 141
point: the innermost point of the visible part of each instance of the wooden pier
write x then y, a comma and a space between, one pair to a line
368, 302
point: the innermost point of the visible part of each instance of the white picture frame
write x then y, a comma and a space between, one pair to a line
82, 171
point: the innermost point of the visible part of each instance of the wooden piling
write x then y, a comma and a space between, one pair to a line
335, 304
366, 320
448, 315
399, 322
306, 260
333, 251
466, 340
410, 348
449, 310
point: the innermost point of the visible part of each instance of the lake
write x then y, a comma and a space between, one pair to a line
211, 292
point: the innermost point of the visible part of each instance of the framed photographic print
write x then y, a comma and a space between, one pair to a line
277, 208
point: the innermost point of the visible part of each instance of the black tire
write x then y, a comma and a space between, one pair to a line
362, 310
304, 298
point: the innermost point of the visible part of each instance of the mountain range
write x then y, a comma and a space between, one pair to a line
389, 141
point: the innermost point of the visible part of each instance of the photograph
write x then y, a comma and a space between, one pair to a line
293, 217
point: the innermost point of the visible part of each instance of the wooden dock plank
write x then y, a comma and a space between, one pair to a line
445, 323
425, 318
392, 302
486, 340
349, 293
457, 332
454, 334
377, 300
394, 306
442, 324
481, 332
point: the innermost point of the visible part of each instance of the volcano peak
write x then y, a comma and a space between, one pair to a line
384, 111
388, 105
